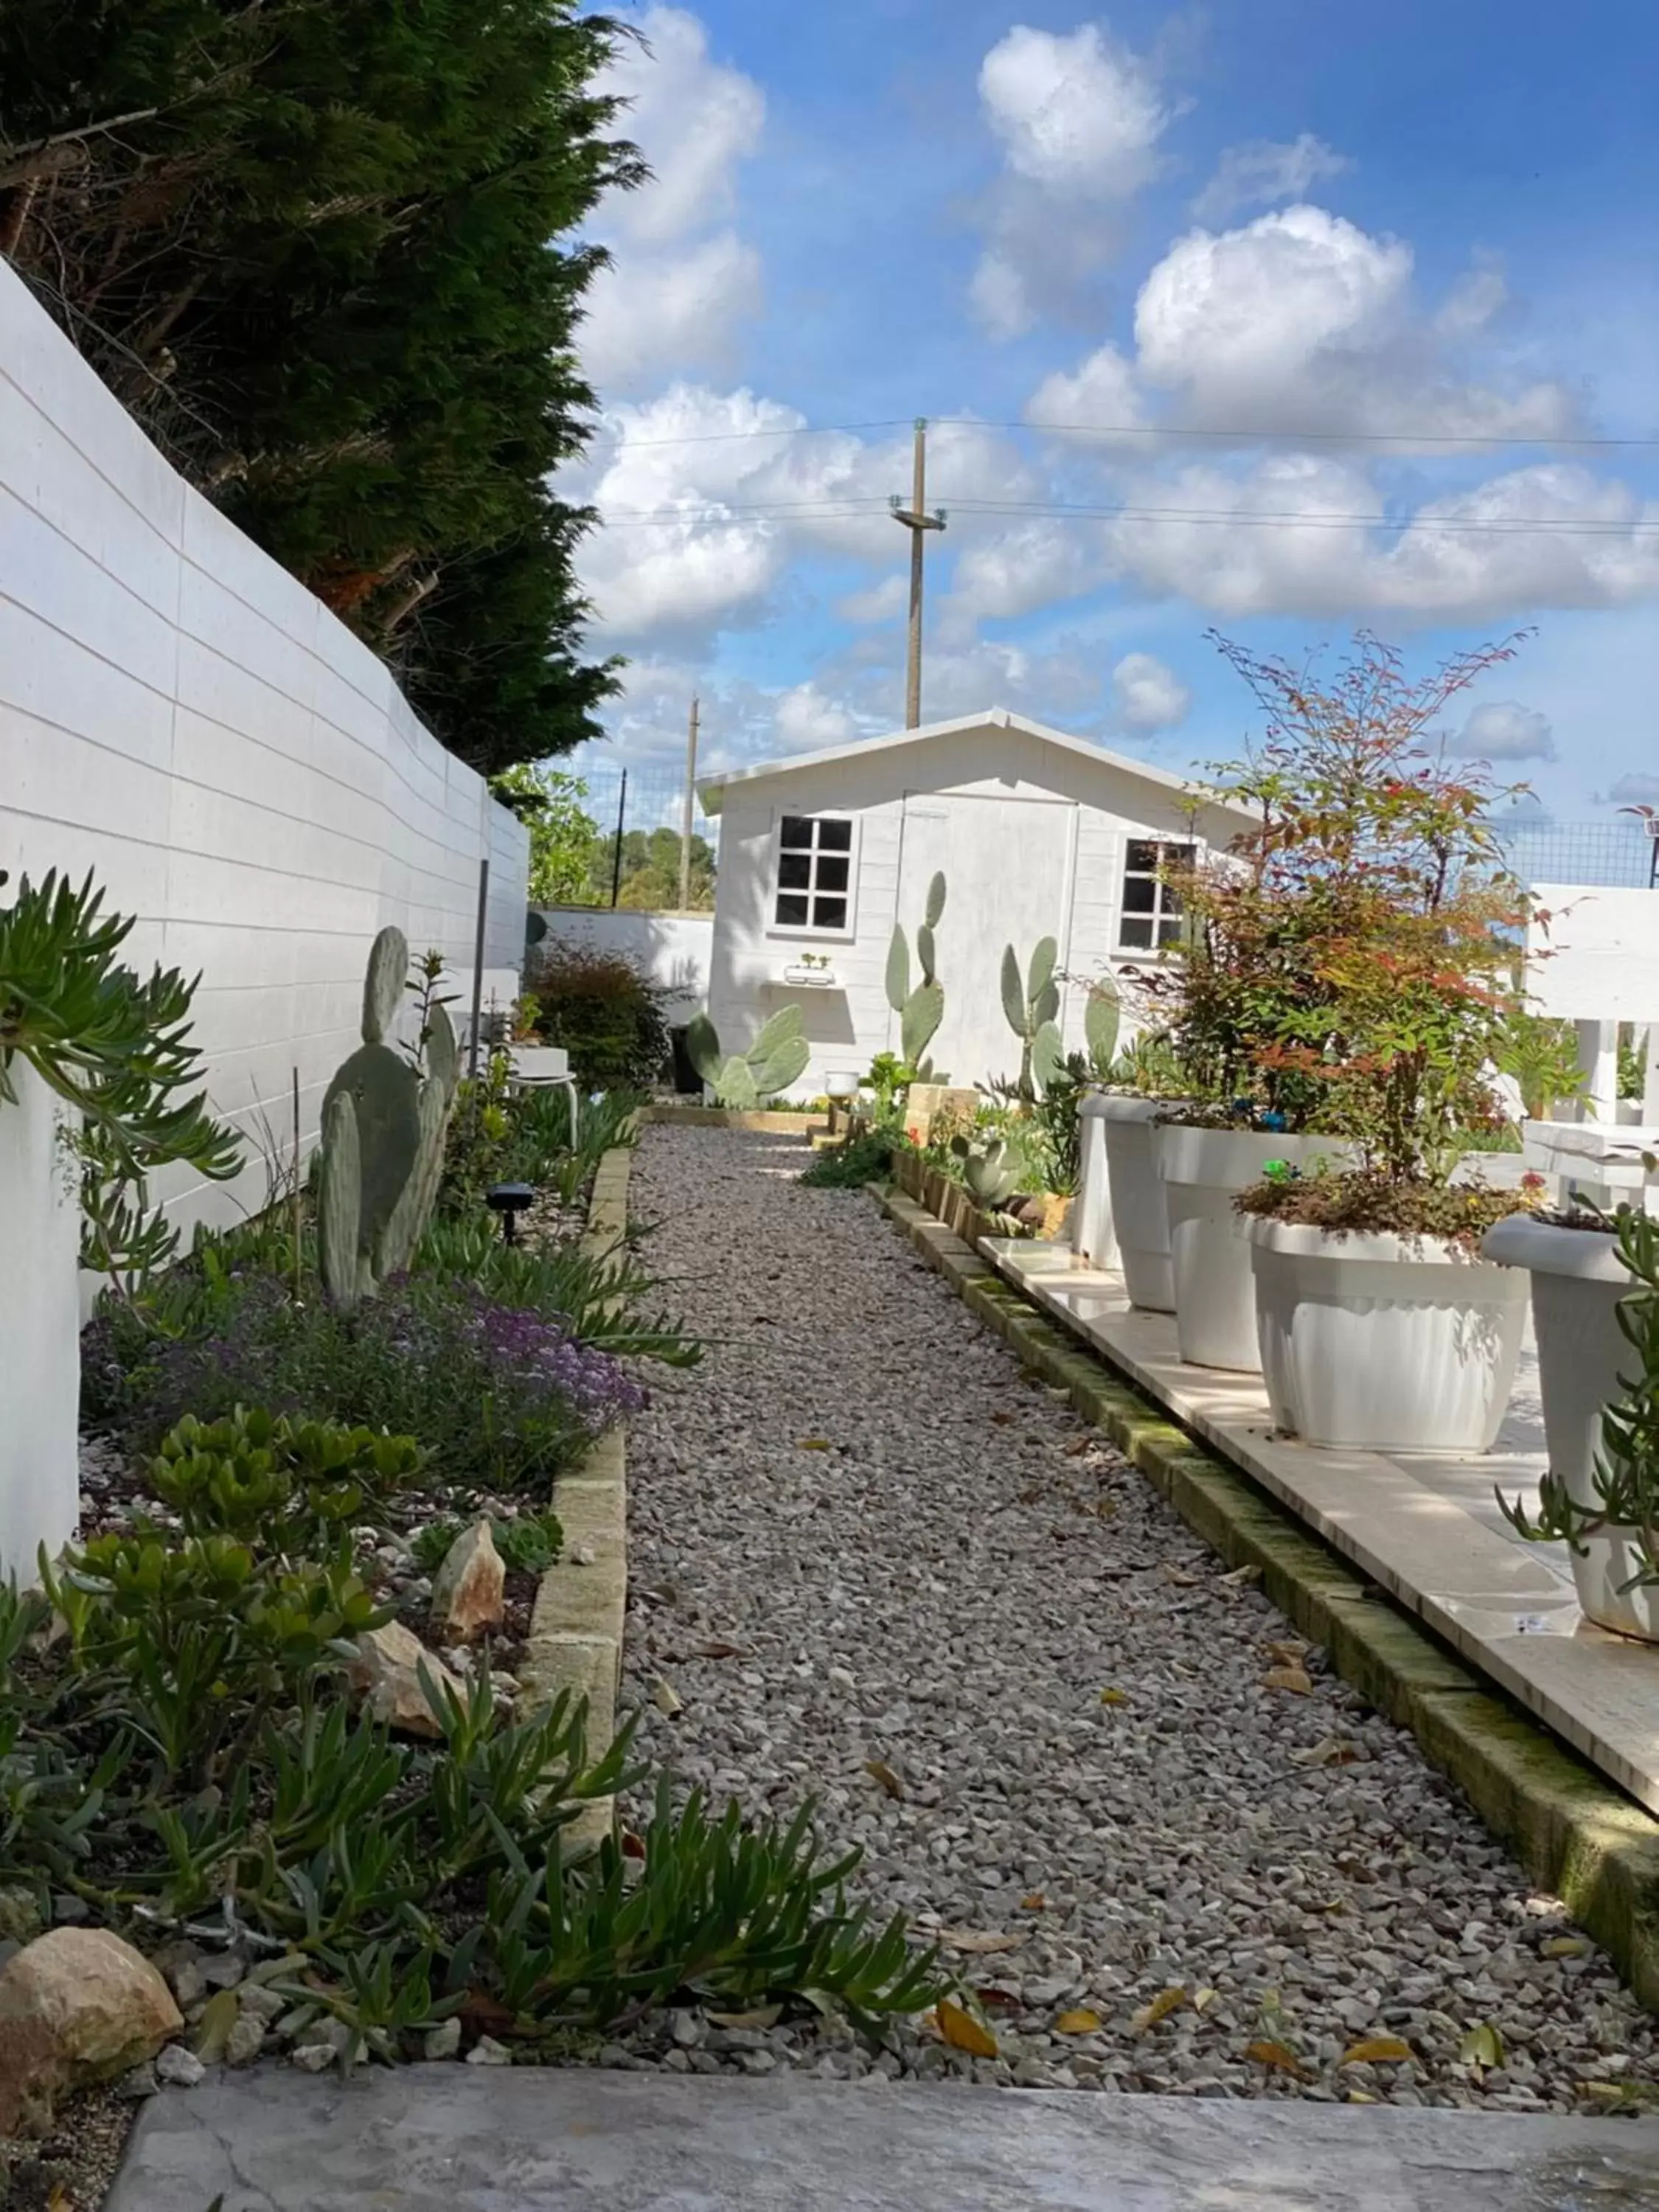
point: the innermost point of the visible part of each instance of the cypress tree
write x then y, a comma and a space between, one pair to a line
326, 252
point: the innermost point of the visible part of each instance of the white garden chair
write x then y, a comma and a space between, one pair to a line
534, 1066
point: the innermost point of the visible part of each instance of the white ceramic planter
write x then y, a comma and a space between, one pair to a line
1094, 1236
1139, 1216
1384, 1343
1578, 1279
1202, 1171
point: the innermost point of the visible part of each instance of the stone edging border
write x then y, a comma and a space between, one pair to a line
731, 1117
1575, 1834
576, 1626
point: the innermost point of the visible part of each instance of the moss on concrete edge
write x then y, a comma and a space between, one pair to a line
1575, 1834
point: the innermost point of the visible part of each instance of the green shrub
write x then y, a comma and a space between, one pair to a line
608, 1016
528, 1542
849, 1166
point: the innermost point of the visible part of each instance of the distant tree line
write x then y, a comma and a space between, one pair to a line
573, 861
325, 252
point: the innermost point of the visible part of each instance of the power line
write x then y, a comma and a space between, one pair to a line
1174, 433
852, 510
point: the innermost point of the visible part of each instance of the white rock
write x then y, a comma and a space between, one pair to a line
486, 2051
179, 2067
442, 2041
313, 2058
387, 1674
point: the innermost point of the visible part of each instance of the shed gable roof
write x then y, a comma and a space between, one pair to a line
711, 790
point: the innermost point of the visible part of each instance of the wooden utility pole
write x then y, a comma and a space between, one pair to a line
691, 800
917, 521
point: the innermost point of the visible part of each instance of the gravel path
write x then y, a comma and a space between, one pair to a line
927, 1561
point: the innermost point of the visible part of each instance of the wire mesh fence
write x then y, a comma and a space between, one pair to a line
638, 812
1614, 854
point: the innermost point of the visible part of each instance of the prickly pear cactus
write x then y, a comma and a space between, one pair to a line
920, 1011
777, 1058
340, 1197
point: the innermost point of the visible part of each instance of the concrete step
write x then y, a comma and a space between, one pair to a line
463, 2139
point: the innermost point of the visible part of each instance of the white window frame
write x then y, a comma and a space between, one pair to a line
1161, 910
775, 890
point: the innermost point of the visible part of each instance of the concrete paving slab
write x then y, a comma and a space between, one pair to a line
454, 2139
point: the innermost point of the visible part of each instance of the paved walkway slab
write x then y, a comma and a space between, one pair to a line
454, 2139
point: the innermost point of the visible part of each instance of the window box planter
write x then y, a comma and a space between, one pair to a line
1202, 1171
1576, 1279
801, 978
1383, 1343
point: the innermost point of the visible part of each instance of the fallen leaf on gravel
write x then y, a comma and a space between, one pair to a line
1182, 1577
219, 2016
1082, 2021
1203, 2000
1278, 2055
1483, 2046
760, 2016
884, 1774
1077, 1446
58, 2199
1287, 1654
1329, 1751
1378, 2051
995, 2000
811, 1444
633, 1846
1037, 1902
1001, 1419
1165, 2003
1565, 1946
1288, 1678
963, 2032
1111, 1696
977, 1939
666, 1699
1241, 1578
721, 1651
1360, 2097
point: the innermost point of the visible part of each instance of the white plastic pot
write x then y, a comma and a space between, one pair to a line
1578, 1279
1094, 1236
1140, 1216
1202, 1171
1384, 1343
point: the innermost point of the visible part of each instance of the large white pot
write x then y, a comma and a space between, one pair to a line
1384, 1343
1202, 1171
1094, 1236
1140, 1218
1577, 1280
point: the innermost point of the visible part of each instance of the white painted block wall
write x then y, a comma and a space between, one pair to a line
674, 950
182, 718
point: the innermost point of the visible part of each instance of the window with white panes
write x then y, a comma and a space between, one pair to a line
814, 890
1150, 916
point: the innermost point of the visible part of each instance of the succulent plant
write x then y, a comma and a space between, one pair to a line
920, 1011
988, 1168
384, 1123
743, 1080
1103, 1015
1032, 1005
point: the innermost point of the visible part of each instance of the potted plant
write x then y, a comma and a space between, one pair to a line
1376, 907
1141, 1085
1596, 1301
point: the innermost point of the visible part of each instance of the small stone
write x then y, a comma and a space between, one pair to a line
582, 1555
20, 1920
245, 2041
185, 1975
686, 2028
386, 1673
314, 2057
257, 2002
179, 2067
444, 2041
69, 1910
469, 1589
486, 2051
141, 2082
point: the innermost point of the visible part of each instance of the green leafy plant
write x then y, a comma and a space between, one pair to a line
777, 1058
1542, 1057
385, 1120
116, 1048
1032, 1004
862, 1159
920, 1011
295, 1483
988, 1167
528, 1542
1626, 1479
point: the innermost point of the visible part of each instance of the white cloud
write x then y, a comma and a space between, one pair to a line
683, 306
1260, 173
882, 603
807, 720
1018, 570
1640, 790
1309, 536
1504, 729
693, 120
1100, 394
1077, 114
1078, 119
682, 282
1303, 321
1148, 694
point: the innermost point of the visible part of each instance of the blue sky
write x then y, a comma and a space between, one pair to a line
1317, 313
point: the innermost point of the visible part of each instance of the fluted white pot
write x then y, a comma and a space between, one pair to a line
1384, 1343
1578, 1279
1202, 1171
1094, 1232
1140, 1219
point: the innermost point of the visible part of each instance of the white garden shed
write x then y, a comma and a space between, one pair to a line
1037, 834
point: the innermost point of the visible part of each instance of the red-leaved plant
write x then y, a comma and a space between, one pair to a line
1350, 967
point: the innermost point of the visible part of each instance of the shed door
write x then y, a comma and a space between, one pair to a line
1007, 866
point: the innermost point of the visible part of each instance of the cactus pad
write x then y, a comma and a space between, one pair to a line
383, 985
386, 1092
